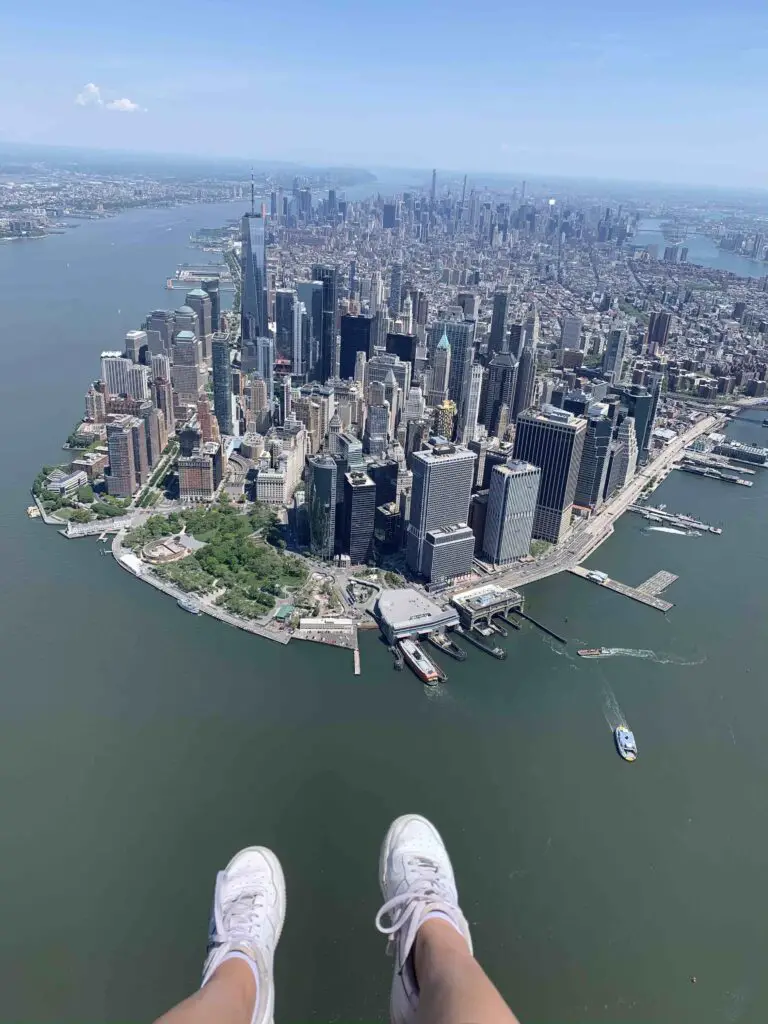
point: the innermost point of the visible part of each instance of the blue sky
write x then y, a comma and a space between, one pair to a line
670, 92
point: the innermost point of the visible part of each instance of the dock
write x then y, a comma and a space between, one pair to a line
541, 626
356, 655
678, 519
641, 594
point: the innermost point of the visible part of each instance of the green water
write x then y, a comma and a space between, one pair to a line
140, 747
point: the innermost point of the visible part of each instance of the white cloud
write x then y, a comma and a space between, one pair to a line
89, 97
124, 105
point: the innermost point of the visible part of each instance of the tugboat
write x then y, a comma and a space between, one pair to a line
625, 743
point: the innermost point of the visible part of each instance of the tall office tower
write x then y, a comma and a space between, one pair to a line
415, 405
623, 460
360, 364
515, 339
163, 397
416, 433
186, 373
265, 365
321, 504
159, 327
287, 326
502, 382
470, 304
510, 512
135, 341
408, 315
393, 396
253, 278
200, 473
441, 369
377, 428
121, 478
570, 332
379, 366
444, 419
442, 484
658, 332
532, 325
497, 339
404, 346
311, 294
189, 439
95, 405
260, 409
613, 358
137, 384
395, 287
388, 216
460, 335
211, 287
161, 366
377, 293
595, 458
470, 405
155, 433
326, 275
553, 440
222, 383
359, 514
641, 403
185, 319
526, 378
199, 300
332, 444
356, 338
114, 372
302, 351
352, 278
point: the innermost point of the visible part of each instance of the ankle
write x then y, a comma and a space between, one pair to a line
240, 980
437, 939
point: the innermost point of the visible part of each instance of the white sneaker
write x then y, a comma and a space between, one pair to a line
247, 917
416, 880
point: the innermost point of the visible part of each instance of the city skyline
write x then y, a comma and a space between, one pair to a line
100, 81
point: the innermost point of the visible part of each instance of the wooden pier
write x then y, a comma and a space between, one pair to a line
645, 593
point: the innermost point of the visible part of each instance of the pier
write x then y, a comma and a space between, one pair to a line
495, 652
678, 519
644, 596
542, 627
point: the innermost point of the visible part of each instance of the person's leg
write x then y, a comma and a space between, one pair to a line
246, 921
437, 979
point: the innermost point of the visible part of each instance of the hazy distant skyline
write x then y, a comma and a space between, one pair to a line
666, 93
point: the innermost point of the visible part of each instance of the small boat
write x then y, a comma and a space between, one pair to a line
591, 652
169, 284
625, 743
443, 643
188, 606
765, 423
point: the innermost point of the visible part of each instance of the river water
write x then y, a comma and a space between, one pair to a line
140, 747
702, 250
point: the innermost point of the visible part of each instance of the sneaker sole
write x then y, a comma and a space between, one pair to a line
386, 846
277, 873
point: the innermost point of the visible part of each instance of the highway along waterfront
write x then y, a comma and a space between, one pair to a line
140, 746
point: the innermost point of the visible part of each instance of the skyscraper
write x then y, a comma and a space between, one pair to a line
326, 275
199, 300
114, 372
553, 440
121, 478
623, 459
311, 294
321, 504
460, 336
593, 472
613, 359
287, 323
502, 382
359, 515
526, 378
266, 366
186, 372
658, 332
159, 327
570, 332
253, 272
470, 407
442, 484
441, 368
222, 383
395, 287
497, 337
511, 508
356, 336
211, 287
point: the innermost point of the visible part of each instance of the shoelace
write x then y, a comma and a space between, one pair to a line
243, 915
408, 909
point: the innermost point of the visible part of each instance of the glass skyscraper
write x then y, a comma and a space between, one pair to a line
222, 382
253, 269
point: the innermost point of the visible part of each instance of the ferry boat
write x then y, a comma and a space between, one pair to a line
591, 652
419, 662
188, 606
625, 743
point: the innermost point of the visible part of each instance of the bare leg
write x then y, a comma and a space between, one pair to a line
453, 987
228, 998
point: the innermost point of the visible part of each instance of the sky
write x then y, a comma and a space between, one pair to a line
638, 90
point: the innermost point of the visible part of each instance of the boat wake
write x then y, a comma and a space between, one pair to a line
667, 529
659, 659
612, 713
